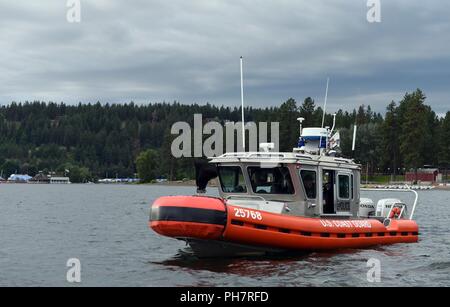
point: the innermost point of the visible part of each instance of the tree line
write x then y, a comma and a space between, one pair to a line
93, 141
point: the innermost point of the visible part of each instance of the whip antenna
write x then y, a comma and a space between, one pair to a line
325, 103
354, 137
242, 106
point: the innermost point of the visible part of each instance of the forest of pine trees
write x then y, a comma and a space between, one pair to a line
101, 140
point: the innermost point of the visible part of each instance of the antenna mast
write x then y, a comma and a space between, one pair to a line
325, 103
242, 106
334, 123
301, 119
354, 137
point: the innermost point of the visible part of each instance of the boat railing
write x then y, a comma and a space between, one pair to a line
406, 189
245, 197
267, 155
298, 156
341, 160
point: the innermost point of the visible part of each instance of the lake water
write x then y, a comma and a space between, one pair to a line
105, 226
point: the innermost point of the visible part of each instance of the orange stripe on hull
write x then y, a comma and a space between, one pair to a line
299, 233
294, 241
187, 229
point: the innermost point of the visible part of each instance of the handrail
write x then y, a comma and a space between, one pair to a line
245, 196
263, 154
299, 156
341, 160
407, 189
415, 202
266, 154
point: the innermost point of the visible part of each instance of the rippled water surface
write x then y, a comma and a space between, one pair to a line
105, 226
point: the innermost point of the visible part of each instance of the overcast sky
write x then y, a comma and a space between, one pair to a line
188, 50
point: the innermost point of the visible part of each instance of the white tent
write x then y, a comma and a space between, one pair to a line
19, 178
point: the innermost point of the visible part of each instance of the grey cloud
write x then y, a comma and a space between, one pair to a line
189, 51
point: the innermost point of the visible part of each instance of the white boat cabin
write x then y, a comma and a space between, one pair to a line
290, 183
311, 181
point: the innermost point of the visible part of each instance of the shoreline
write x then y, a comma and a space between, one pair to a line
213, 184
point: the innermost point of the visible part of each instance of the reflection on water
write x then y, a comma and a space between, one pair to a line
294, 270
41, 226
242, 265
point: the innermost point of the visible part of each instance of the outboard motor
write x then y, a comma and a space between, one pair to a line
366, 207
384, 206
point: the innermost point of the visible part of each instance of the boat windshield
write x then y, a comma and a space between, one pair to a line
232, 179
270, 180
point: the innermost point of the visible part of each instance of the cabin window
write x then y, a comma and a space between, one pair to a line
271, 180
232, 179
309, 183
344, 186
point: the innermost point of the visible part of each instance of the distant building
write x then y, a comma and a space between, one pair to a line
59, 180
40, 178
18, 178
424, 175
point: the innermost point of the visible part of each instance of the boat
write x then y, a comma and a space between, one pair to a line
275, 202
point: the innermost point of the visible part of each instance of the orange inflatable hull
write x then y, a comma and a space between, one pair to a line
205, 218
189, 217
